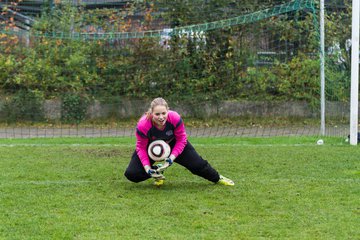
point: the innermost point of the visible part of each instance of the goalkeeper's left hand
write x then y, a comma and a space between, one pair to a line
168, 162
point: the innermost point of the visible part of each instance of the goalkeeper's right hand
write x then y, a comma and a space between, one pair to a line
168, 163
153, 173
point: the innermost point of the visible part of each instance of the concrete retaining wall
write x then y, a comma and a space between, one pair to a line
135, 108
127, 108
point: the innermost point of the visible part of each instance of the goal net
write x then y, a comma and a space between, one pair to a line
84, 68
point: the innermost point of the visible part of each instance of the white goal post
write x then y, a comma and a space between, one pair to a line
322, 66
354, 98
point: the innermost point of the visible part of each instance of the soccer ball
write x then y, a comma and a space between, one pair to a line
158, 150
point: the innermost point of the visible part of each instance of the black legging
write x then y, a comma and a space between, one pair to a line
189, 158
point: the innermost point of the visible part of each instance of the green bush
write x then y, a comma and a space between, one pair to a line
24, 105
74, 108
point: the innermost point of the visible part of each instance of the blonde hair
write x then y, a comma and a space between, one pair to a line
156, 102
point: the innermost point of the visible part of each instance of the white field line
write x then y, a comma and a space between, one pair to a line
51, 182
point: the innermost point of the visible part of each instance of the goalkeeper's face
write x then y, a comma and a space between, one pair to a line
160, 114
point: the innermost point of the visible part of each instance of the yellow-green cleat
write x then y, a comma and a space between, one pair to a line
225, 181
159, 182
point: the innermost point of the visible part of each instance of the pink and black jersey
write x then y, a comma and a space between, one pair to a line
146, 132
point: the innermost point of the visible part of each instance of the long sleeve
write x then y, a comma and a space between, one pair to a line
179, 132
142, 141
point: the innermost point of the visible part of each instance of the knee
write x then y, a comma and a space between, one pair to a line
130, 175
133, 176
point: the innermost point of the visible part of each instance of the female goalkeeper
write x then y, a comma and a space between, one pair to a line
161, 123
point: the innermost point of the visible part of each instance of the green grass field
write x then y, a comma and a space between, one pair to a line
74, 188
